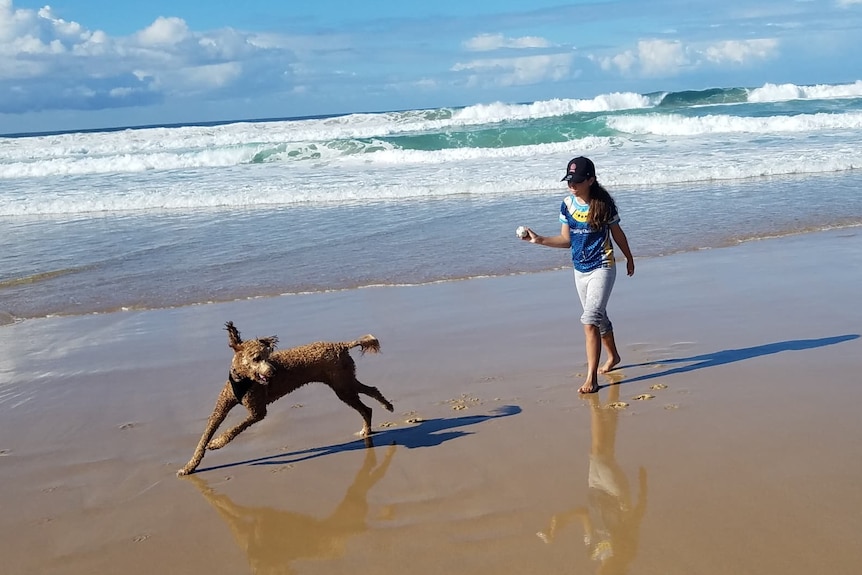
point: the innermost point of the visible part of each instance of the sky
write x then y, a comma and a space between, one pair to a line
90, 64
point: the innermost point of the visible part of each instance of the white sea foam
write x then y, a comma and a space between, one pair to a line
406, 175
786, 92
347, 159
500, 112
677, 125
187, 148
137, 150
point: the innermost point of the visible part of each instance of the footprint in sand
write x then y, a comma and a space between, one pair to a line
643, 396
127, 426
296, 406
388, 424
672, 406
462, 402
141, 538
617, 405
414, 420
5, 452
658, 386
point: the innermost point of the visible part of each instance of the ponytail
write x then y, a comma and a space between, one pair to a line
602, 206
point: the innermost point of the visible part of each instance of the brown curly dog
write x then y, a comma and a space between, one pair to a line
259, 375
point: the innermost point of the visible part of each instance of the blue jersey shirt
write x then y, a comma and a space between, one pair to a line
591, 249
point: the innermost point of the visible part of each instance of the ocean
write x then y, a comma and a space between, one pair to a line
166, 216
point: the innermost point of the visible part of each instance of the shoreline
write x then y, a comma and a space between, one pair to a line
754, 432
8, 318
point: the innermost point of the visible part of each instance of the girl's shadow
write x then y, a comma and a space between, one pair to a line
731, 355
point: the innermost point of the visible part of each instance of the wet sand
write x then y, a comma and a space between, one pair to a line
727, 442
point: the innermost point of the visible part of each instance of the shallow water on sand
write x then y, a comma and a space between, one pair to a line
107, 262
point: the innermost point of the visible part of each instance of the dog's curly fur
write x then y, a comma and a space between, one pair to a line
259, 375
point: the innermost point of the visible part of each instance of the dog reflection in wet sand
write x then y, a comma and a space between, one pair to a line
272, 539
612, 520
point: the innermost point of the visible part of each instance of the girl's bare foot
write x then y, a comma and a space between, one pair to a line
590, 386
611, 363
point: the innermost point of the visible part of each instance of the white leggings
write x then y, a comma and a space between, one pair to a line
594, 289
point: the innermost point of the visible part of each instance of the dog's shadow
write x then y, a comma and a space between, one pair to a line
728, 356
425, 433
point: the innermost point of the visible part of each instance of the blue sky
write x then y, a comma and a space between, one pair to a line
92, 63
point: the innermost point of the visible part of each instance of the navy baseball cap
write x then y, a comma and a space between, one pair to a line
579, 169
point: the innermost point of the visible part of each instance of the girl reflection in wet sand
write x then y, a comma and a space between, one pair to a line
273, 539
612, 520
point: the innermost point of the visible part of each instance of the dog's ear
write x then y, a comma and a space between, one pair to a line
234, 340
270, 341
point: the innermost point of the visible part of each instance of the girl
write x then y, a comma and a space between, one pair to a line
589, 221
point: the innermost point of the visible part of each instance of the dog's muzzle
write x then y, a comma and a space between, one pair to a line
264, 373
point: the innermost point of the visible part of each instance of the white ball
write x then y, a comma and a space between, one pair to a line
521, 232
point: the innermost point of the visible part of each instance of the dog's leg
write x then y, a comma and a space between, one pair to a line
256, 412
374, 393
351, 398
226, 401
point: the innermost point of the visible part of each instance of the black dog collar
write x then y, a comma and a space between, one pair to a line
239, 386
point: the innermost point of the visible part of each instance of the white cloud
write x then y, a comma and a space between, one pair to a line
518, 71
657, 58
623, 62
652, 58
212, 76
90, 69
164, 31
192, 79
848, 2
61, 27
36, 32
120, 92
741, 51
489, 42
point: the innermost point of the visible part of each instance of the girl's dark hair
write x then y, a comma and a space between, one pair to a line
602, 206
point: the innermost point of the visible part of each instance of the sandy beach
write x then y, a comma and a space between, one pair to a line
727, 442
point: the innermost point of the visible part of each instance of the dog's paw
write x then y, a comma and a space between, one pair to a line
216, 443
184, 471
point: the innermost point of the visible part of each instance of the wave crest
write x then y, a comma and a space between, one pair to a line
786, 92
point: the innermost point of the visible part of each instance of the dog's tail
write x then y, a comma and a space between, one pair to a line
366, 343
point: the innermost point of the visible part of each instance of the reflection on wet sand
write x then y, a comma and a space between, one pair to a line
272, 539
611, 520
